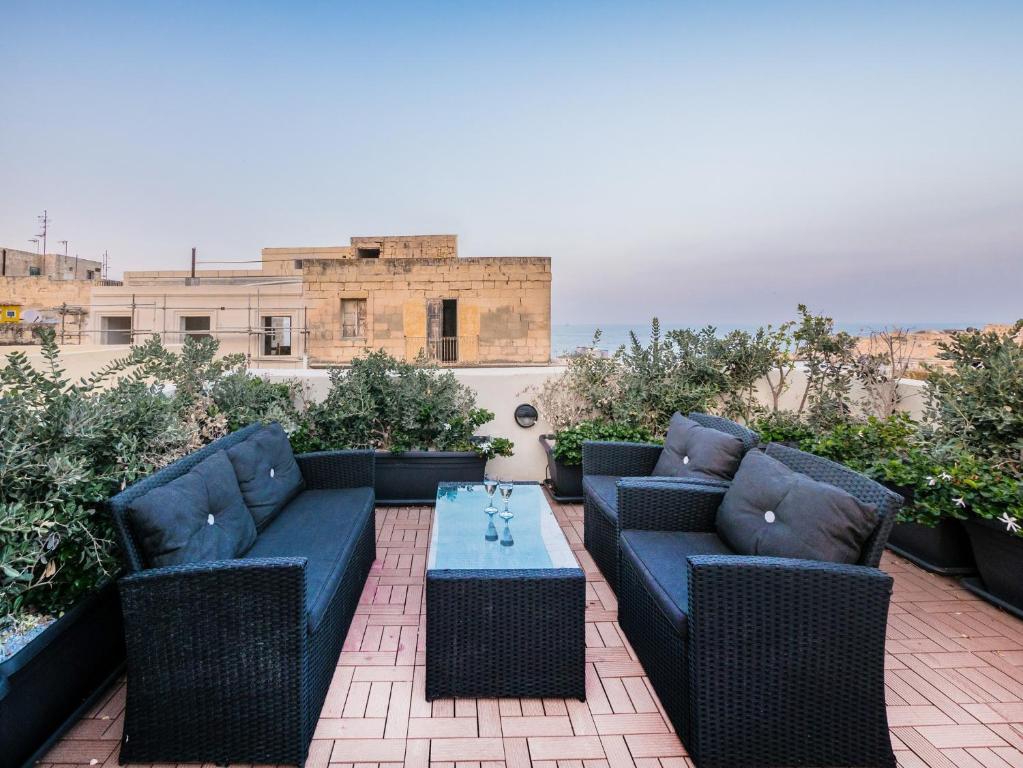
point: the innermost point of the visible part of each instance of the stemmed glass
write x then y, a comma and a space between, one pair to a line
490, 486
506, 492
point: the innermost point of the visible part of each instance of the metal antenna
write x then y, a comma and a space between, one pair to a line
36, 241
44, 223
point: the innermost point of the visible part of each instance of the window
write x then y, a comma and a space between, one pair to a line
10, 314
353, 318
298, 265
34, 271
368, 253
276, 335
115, 330
195, 325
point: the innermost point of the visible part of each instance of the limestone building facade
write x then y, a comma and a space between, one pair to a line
306, 306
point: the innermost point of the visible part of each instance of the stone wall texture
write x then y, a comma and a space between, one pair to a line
503, 312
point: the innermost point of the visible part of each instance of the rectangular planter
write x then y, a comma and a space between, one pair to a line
999, 556
943, 548
411, 477
566, 481
47, 685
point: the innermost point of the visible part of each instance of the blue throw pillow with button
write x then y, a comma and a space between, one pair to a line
196, 517
267, 472
774, 511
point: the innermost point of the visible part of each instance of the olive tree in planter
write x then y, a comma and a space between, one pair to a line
420, 419
976, 401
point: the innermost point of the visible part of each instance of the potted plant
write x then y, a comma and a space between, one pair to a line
564, 451
976, 402
66, 447
421, 420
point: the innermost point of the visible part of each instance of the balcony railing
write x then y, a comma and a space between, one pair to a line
447, 350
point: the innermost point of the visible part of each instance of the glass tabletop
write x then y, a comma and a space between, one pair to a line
465, 537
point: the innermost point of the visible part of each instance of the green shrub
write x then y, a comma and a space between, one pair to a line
389, 404
568, 445
64, 448
978, 399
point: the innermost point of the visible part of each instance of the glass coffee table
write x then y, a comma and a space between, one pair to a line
505, 599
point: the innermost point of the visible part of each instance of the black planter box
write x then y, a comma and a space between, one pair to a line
566, 481
51, 682
943, 548
999, 557
411, 477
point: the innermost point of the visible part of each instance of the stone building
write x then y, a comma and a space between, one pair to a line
45, 290
55, 266
324, 306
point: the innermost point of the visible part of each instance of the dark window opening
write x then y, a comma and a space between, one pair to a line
368, 253
195, 325
34, 271
115, 330
298, 264
277, 335
442, 329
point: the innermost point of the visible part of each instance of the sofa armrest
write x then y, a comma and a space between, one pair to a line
669, 504
619, 459
337, 469
223, 642
795, 647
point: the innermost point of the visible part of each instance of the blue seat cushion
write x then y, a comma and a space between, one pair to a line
267, 472
196, 517
604, 490
323, 526
659, 558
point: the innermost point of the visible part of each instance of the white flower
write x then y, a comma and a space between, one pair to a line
960, 502
931, 480
1010, 523
945, 476
447, 427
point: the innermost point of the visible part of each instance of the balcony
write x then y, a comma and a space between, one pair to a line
447, 350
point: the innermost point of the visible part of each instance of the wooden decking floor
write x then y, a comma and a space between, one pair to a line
954, 684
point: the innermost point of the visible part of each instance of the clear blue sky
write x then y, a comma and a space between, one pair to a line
707, 162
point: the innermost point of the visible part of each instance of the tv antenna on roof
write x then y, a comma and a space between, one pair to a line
44, 222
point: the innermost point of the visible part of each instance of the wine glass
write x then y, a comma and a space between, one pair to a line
506, 492
490, 486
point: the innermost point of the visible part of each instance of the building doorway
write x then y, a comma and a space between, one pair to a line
442, 329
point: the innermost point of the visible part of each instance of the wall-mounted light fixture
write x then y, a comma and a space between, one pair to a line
526, 416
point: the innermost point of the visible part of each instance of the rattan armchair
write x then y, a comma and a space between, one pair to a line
758, 661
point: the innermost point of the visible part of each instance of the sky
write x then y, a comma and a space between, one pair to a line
705, 162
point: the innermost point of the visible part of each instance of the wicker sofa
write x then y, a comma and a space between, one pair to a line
229, 661
605, 464
758, 661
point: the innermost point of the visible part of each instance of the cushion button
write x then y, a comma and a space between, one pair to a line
769, 516
685, 459
209, 519
272, 473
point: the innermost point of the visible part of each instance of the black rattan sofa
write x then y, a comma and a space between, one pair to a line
758, 661
605, 464
229, 661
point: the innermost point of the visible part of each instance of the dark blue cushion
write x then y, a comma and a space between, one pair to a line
604, 490
322, 526
660, 560
692, 450
198, 516
774, 511
267, 472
